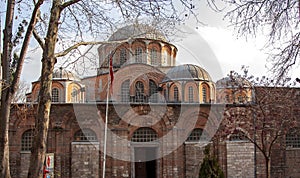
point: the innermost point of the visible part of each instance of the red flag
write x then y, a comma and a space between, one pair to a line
111, 72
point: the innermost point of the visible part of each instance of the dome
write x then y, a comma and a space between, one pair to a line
187, 72
233, 82
137, 31
64, 74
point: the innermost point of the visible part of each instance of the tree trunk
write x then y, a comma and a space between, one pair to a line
5, 91
268, 167
44, 103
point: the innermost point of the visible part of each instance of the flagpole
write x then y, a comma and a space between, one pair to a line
105, 128
106, 121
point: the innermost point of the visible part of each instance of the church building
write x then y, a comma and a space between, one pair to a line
159, 115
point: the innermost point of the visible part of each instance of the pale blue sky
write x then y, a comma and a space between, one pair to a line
213, 46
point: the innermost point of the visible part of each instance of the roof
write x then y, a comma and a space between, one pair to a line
233, 82
187, 72
137, 31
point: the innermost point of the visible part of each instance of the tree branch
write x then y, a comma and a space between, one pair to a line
69, 3
38, 39
84, 43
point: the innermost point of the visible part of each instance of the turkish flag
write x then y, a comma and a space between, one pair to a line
111, 72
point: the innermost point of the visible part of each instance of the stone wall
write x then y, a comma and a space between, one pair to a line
85, 159
240, 159
293, 160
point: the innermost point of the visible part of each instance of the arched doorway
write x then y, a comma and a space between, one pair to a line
144, 152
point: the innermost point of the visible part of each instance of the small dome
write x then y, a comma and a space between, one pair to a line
64, 74
137, 31
233, 82
187, 72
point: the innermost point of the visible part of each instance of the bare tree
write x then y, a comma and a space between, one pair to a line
280, 20
67, 26
263, 121
11, 71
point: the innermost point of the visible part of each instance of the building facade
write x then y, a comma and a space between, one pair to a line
160, 116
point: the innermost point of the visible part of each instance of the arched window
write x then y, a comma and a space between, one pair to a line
144, 134
55, 95
27, 139
204, 94
123, 56
138, 55
154, 57
125, 91
139, 92
176, 94
85, 135
191, 94
196, 136
153, 91
74, 95
292, 138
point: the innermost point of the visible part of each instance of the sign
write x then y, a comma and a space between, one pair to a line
49, 166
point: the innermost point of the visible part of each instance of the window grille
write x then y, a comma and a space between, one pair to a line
191, 94
74, 95
204, 94
195, 135
176, 94
144, 135
138, 55
153, 91
123, 56
55, 95
85, 135
27, 139
154, 57
293, 139
125, 91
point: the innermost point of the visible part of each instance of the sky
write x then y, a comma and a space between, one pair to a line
213, 46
